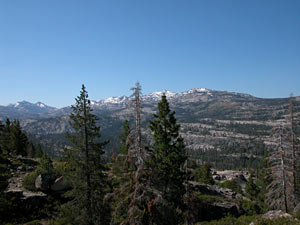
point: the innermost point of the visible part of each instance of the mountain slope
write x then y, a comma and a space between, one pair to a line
212, 122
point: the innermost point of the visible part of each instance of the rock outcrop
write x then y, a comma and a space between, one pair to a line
214, 190
60, 185
274, 214
43, 182
209, 202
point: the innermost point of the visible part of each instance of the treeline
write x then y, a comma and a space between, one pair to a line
14, 142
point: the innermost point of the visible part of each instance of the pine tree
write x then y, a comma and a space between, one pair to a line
18, 140
30, 150
122, 171
39, 152
167, 158
120, 163
252, 188
45, 165
4, 174
124, 138
3, 162
86, 168
5, 140
204, 174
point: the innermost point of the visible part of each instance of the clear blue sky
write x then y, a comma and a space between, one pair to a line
49, 48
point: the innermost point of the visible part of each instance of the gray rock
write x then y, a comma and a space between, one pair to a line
42, 182
274, 214
60, 184
26, 201
20, 168
214, 190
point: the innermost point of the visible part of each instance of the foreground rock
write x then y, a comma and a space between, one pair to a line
214, 190
42, 182
274, 214
210, 202
26, 202
60, 185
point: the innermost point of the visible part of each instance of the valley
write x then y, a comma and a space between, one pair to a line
217, 126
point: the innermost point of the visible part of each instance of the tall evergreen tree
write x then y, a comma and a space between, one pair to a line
120, 163
39, 151
124, 138
3, 162
18, 140
204, 174
167, 158
122, 171
30, 150
86, 168
5, 140
4, 174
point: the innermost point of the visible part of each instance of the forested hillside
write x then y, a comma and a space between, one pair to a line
157, 170
218, 126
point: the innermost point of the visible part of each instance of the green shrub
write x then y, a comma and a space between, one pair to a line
29, 181
243, 220
34, 222
207, 199
250, 208
60, 169
233, 185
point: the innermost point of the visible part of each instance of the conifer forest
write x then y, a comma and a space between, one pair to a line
150, 168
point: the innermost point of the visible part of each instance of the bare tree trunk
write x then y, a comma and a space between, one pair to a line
140, 156
283, 173
291, 109
139, 153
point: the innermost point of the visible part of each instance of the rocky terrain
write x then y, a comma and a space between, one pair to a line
214, 124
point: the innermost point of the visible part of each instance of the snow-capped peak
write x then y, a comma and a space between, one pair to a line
41, 105
116, 100
17, 104
198, 90
157, 95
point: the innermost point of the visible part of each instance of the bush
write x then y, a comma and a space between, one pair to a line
250, 208
233, 185
34, 222
29, 181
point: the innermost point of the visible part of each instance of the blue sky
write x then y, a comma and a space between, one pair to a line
49, 48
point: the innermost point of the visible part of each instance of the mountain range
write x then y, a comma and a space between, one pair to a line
218, 122
27, 110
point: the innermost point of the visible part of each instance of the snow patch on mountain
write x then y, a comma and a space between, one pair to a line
41, 105
155, 96
201, 91
116, 100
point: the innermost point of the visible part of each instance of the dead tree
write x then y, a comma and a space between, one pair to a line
293, 148
283, 189
277, 191
136, 105
138, 201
